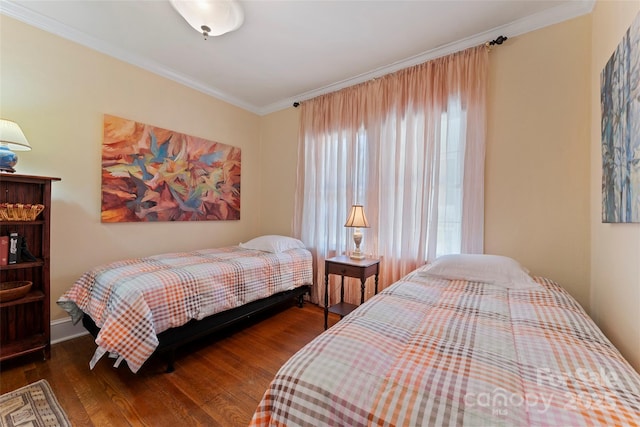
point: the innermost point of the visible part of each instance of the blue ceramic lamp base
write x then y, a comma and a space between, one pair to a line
8, 159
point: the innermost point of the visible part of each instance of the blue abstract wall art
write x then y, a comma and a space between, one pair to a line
620, 103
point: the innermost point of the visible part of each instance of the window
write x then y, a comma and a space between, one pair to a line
452, 143
409, 147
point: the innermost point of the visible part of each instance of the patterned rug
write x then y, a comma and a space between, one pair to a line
34, 405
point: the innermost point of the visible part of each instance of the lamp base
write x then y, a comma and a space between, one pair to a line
8, 159
357, 239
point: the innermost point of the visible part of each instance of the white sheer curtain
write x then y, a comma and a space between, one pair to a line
409, 147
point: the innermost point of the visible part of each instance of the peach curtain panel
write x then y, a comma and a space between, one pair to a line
410, 147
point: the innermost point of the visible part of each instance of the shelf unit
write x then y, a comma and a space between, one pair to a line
25, 325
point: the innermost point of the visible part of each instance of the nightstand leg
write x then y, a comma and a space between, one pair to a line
376, 288
341, 292
362, 286
326, 301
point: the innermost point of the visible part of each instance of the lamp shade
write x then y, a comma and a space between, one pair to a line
357, 218
210, 17
12, 137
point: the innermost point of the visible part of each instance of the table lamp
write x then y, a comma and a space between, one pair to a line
11, 138
358, 220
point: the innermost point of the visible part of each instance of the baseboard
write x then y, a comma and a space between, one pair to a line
64, 329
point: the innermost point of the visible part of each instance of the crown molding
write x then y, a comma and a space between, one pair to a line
534, 22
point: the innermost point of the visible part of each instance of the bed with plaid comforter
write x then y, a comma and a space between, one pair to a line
429, 351
133, 300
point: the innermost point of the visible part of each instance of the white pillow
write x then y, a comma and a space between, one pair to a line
272, 243
493, 269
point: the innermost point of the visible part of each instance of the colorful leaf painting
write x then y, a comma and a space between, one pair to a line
152, 174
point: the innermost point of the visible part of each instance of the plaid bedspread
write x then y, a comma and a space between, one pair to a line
437, 352
135, 299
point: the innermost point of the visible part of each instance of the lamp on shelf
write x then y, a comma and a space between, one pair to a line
11, 138
210, 17
357, 220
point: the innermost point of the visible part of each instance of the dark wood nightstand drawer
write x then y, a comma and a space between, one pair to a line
344, 270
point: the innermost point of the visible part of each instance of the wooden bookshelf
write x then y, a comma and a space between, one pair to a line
25, 322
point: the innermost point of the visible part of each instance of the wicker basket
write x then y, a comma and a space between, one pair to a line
14, 290
19, 211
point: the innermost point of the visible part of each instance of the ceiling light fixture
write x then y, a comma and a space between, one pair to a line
210, 17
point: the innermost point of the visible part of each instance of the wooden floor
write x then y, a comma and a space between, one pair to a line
217, 381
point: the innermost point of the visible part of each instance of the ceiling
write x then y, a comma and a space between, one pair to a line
289, 50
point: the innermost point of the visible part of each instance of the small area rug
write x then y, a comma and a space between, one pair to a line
34, 405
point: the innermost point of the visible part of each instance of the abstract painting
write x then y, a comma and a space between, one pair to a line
152, 174
620, 104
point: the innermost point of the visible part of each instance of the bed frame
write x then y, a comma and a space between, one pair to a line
173, 338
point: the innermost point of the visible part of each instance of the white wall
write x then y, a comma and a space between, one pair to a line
279, 156
537, 163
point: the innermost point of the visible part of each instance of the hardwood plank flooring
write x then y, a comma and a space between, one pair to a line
218, 381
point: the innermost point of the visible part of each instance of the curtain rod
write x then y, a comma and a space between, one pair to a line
497, 41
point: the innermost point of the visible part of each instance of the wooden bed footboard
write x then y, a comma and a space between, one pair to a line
173, 338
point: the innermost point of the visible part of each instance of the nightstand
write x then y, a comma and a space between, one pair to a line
345, 266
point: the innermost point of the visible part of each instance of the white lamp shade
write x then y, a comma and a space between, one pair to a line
220, 16
356, 217
11, 135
